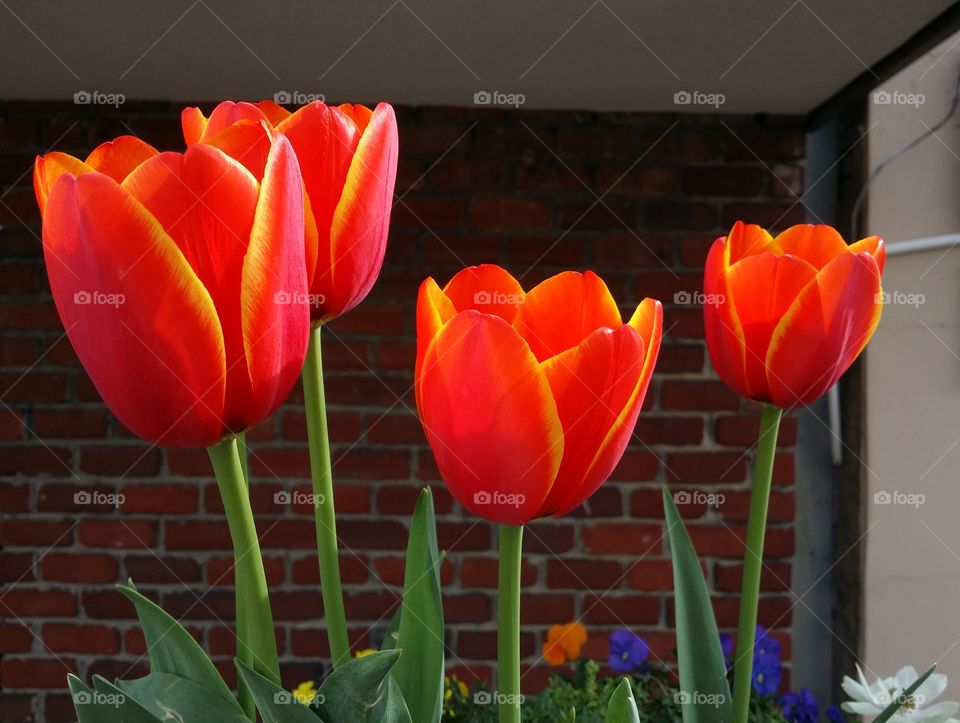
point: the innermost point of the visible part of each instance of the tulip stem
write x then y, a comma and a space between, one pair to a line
324, 511
256, 639
508, 632
753, 560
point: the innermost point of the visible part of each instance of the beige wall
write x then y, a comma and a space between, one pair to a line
912, 607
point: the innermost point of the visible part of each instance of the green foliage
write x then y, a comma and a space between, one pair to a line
653, 688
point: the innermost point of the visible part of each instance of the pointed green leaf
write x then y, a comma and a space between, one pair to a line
171, 697
107, 704
392, 633
275, 704
622, 707
171, 649
363, 691
896, 705
704, 692
419, 672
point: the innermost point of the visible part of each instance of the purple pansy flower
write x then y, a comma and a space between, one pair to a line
627, 651
800, 707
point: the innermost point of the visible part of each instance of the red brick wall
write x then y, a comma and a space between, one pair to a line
517, 188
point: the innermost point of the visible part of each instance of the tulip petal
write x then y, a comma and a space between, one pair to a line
824, 330
358, 237
276, 316
490, 418
156, 356
274, 113
815, 244
763, 287
247, 141
47, 170
359, 114
872, 245
206, 201
226, 114
559, 313
192, 121
434, 310
118, 158
325, 141
746, 239
724, 333
593, 384
487, 288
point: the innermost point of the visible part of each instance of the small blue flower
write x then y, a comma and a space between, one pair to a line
766, 663
800, 707
834, 715
726, 645
627, 651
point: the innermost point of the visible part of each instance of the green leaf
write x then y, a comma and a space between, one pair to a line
392, 633
704, 691
171, 697
622, 707
275, 704
419, 672
171, 649
107, 704
889, 711
363, 691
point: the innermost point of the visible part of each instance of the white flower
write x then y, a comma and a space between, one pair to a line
872, 699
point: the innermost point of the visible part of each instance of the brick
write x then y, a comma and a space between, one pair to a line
15, 638
483, 572
170, 499
69, 567
17, 567
691, 396
724, 180
160, 569
680, 216
35, 673
120, 461
576, 574
33, 602
117, 533
34, 460
620, 537
353, 569
743, 431
497, 213
636, 466
69, 638
706, 467
650, 575
773, 577
611, 608
31, 533
546, 608
69, 423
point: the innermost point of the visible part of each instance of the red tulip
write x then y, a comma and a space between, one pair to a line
180, 281
529, 399
785, 317
348, 157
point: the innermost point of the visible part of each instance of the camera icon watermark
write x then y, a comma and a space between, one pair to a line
295, 497
92, 697
483, 697
698, 698
98, 298
902, 499
698, 298
696, 97
286, 298
485, 97
297, 97
896, 97
285, 697
711, 499
486, 298
899, 298
83, 497
96, 97
500, 499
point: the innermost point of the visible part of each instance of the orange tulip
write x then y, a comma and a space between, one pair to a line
529, 399
786, 316
348, 157
180, 280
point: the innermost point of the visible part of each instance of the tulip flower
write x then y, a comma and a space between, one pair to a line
348, 157
180, 281
529, 399
786, 316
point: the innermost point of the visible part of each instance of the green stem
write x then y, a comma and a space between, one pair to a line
508, 626
256, 640
753, 561
244, 653
242, 451
324, 511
